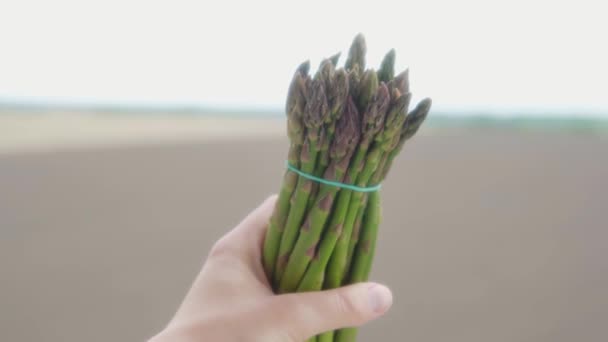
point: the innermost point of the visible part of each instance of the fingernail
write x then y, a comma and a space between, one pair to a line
380, 298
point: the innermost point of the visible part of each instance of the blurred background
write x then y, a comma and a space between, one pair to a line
125, 125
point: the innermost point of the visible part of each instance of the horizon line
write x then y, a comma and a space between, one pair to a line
133, 107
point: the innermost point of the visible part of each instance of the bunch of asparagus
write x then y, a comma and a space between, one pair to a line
345, 125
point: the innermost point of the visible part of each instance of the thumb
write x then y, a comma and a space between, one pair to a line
302, 315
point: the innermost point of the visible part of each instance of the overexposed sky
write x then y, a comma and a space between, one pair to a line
467, 55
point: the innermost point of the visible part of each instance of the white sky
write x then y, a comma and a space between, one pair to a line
466, 55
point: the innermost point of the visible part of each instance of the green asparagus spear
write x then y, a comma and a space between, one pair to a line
315, 113
387, 68
326, 337
374, 117
371, 220
402, 82
295, 106
344, 143
364, 255
337, 264
387, 141
411, 125
367, 89
366, 248
360, 269
335, 58
356, 54
336, 83
373, 123
354, 238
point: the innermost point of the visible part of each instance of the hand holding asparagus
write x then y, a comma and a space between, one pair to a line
345, 126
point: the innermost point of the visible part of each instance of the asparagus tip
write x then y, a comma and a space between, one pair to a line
356, 54
387, 67
304, 68
340, 92
416, 117
348, 131
335, 58
316, 106
367, 88
402, 81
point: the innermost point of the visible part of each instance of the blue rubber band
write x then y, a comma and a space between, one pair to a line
332, 183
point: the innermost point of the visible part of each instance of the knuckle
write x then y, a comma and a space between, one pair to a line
342, 303
220, 249
345, 305
281, 311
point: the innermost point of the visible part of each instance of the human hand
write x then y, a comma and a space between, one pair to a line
231, 299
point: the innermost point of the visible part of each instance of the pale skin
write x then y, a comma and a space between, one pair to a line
231, 299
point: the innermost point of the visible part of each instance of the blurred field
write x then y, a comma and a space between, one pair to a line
34, 131
489, 234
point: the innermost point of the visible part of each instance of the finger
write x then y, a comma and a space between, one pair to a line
248, 235
302, 315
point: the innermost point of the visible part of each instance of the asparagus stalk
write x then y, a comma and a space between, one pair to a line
384, 142
346, 139
373, 123
296, 98
356, 54
387, 68
335, 58
368, 87
315, 113
401, 82
411, 125
375, 117
355, 61
327, 336
356, 229
364, 255
337, 264
366, 248
336, 83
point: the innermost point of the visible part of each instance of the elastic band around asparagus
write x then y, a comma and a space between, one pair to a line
341, 185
